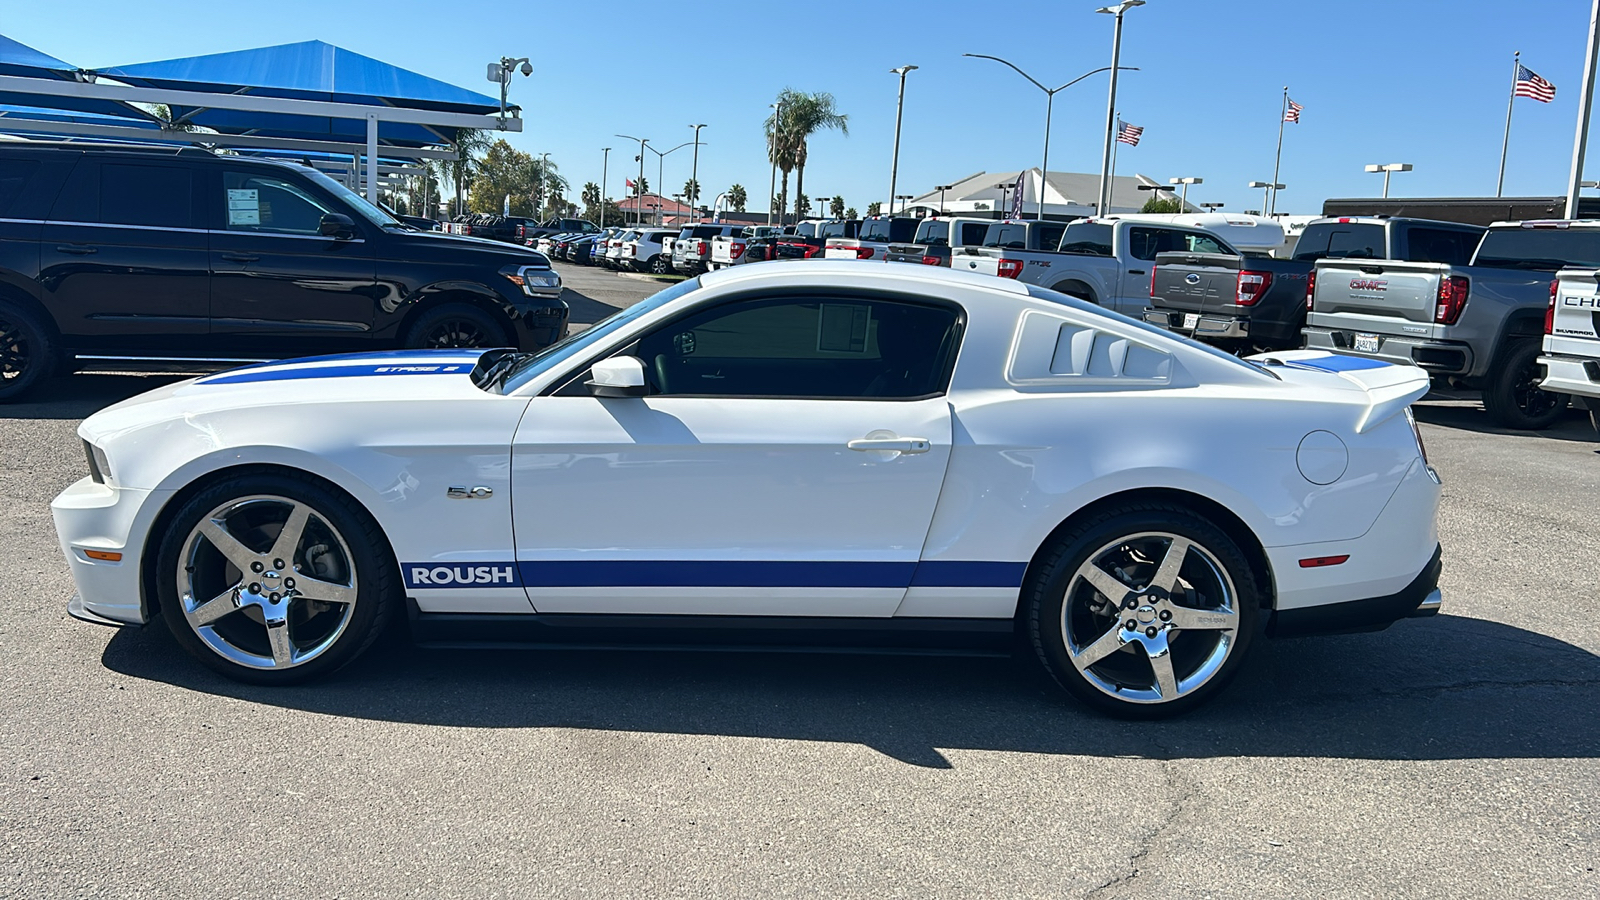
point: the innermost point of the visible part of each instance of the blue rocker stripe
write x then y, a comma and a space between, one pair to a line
764, 574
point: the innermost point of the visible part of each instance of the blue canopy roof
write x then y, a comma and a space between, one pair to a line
20, 60
310, 70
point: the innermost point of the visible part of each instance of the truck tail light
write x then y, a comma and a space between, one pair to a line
1452, 297
1550, 310
736, 249
863, 253
1153, 282
1311, 288
1010, 268
1251, 286
522, 231
932, 261
702, 248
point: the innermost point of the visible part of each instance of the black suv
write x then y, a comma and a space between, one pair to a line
154, 258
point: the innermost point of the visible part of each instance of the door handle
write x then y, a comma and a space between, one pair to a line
904, 445
76, 249
1136, 272
240, 257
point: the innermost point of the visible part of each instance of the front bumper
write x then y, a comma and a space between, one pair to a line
1438, 357
1571, 375
92, 516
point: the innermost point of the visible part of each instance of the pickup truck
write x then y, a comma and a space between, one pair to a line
1104, 261
691, 249
1250, 303
728, 249
873, 240
938, 240
810, 238
1571, 357
1476, 327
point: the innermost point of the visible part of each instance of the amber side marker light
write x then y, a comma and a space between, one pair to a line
112, 556
1317, 562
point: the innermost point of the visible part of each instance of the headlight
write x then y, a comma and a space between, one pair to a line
532, 279
99, 466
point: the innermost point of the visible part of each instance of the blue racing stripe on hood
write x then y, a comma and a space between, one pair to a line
1338, 363
451, 366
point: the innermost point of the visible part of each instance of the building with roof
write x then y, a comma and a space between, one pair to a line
1066, 195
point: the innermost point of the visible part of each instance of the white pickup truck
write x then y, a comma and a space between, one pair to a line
1571, 357
873, 240
1104, 260
727, 248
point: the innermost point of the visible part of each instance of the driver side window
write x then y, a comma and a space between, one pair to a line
266, 205
805, 347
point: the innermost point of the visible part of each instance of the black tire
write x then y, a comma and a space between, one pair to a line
370, 567
27, 353
1514, 399
659, 265
456, 325
1078, 291
1057, 603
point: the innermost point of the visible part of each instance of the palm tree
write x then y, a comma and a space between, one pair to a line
469, 143
811, 113
780, 145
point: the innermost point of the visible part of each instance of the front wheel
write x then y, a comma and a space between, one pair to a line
1144, 611
660, 265
26, 353
274, 579
455, 325
1514, 399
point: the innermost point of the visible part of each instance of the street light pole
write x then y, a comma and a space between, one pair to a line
1580, 141
605, 172
1185, 182
694, 170
1270, 187
1388, 170
941, 188
899, 109
638, 193
1111, 99
772, 151
661, 180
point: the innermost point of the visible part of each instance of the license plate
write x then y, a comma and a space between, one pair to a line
1366, 343
1190, 320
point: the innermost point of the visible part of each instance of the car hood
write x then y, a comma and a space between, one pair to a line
307, 383
412, 242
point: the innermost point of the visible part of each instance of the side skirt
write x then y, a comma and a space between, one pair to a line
790, 634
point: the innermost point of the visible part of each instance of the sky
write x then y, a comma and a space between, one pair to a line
1415, 81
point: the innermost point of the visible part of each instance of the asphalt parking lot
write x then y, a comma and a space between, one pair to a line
1442, 758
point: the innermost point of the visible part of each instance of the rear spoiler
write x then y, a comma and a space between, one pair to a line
1390, 388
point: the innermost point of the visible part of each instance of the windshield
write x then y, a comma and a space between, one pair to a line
1543, 249
532, 365
368, 211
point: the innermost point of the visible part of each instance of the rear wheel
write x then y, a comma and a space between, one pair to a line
456, 325
274, 579
1514, 399
27, 354
1143, 611
659, 265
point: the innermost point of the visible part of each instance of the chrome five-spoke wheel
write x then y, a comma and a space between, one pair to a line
1150, 618
274, 578
1143, 610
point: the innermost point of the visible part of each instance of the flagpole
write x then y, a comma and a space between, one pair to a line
1272, 192
1516, 67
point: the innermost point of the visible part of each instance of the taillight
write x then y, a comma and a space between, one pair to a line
1250, 287
1311, 288
701, 249
1010, 268
736, 249
1550, 311
1452, 297
863, 253
522, 231
1152, 282
932, 261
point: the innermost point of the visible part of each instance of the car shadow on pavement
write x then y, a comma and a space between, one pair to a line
1442, 689
78, 396
1574, 426
585, 310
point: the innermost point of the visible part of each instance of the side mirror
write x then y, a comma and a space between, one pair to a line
336, 225
619, 376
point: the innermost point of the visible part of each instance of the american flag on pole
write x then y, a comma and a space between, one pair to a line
1129, 134
1531, 85
1292, 114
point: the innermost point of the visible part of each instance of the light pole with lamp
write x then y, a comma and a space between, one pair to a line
1004, 210
605, 172
661, 183
1158, 188
821, 207
1387, 170
1268, 187
899, 109
1111, 99
1212, 206
941, 188
902, 198
1050, 99
772, 151
1185, 182
638, 194
544, 167
694, 169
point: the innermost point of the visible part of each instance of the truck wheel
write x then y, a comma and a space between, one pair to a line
455, 325
1514, 399
27, 354
1078, 291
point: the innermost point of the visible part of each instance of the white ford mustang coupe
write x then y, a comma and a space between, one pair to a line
806, 453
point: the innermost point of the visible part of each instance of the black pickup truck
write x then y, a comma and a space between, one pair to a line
1258, 303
